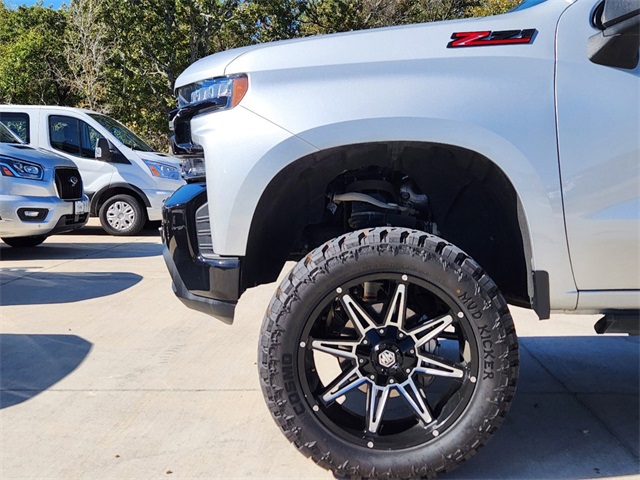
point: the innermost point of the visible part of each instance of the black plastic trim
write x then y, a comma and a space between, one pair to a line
223, 311
541, 295
209, 284
619, 322
67, 223
96, 196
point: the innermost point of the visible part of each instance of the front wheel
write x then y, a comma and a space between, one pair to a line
388, 353
122, 215
25, 242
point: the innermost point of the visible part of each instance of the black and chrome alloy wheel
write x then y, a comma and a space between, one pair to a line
386, 362
388, 353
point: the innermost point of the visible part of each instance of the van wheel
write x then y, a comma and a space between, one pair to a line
122, 215
388, 353
25, 242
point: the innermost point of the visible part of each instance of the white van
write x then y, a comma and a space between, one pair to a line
126, 183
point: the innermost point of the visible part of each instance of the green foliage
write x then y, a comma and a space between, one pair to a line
31, 57
122, 57
492, 7
328, 16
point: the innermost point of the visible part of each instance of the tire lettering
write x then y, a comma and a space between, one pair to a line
472, 307
290, 384
488, 352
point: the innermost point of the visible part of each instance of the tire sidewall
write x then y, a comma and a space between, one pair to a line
470, 297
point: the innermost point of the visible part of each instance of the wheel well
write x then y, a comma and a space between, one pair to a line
102, 196
471, 203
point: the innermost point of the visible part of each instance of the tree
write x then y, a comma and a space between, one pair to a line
31, 55
86, 49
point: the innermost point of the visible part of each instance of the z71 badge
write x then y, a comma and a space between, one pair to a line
486, 38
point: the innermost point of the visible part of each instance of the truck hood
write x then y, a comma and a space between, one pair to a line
47, 159
408, 42
332, 49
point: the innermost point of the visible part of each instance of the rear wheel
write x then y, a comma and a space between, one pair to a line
388, 353
122, 215
25, 242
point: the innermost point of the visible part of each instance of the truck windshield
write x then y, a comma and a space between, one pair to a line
7, 136
122, 133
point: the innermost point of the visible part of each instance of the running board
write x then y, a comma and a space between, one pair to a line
619, 323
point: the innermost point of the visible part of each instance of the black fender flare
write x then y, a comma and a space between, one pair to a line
96, 196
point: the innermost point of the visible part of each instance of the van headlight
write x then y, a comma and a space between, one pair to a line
221, 93
163, 170
21, 169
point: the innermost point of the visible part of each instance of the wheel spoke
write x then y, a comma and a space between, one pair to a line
444, 368
397, 307
346, 381
357, 315
337, 348
376, 402
411, 394
433, 328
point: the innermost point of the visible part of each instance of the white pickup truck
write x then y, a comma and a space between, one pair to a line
424, 177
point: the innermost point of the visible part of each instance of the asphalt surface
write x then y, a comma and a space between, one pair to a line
104, 374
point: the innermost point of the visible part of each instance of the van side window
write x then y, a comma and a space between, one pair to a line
73, 136
18, 123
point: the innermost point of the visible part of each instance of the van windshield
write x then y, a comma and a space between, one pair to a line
7, 136
122, 133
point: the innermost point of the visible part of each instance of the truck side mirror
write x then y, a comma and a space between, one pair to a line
103, 150
618, 42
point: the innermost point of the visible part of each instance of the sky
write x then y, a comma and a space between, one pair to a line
47, 3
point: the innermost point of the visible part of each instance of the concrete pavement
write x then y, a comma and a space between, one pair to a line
104, 374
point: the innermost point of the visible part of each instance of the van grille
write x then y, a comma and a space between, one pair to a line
68, 183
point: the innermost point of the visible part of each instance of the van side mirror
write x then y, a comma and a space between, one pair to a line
103, 150
618, 42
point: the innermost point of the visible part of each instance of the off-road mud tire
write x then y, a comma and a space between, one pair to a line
397, 251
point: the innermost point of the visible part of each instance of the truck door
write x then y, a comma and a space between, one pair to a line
598, 108
76, 140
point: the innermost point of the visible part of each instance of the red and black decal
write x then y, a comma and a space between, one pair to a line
486, 38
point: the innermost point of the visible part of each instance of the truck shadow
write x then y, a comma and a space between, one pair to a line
151, 229
576, 413
19, 287
55, 249
30, 364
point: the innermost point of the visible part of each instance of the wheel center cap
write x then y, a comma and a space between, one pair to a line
387, 358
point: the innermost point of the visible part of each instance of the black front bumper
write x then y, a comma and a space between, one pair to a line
204, 282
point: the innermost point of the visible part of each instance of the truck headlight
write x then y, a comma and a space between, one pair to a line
21, 169
193, 169
163, 170
221, 93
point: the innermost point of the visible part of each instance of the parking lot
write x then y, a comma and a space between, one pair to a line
105, 374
